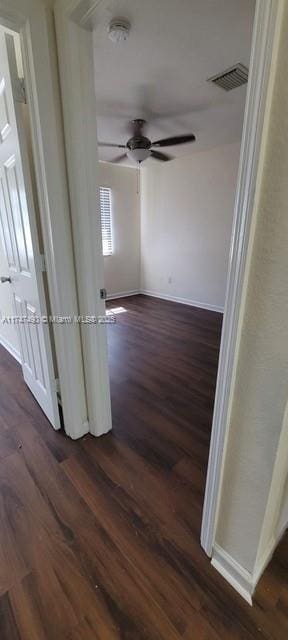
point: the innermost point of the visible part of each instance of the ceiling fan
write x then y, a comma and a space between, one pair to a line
139, 147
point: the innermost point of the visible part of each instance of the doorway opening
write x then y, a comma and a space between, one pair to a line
75, 52
170, 227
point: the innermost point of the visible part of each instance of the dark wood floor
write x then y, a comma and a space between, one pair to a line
99, 539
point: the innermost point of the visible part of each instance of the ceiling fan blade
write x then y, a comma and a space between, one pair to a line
119, 158
160, 156
168, 142
110, 144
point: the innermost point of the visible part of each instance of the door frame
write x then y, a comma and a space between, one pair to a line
75, 54
265, 34
34, 22
74, 21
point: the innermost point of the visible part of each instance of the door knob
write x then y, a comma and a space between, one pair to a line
5, 279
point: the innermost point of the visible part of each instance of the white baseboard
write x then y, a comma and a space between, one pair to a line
10, 348
242, 580
190, 303
267, 555
239, 578
123, 294
163, 296
264, 561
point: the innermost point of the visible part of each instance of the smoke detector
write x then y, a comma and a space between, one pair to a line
118, 30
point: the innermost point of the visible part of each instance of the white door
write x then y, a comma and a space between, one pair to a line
20, 239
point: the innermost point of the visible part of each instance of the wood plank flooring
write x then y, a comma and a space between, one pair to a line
99, 539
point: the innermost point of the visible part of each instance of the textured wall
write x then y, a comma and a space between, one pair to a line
261, 388
186, 219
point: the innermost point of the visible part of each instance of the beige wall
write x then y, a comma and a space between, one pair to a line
186, 218
122, 268
261, 386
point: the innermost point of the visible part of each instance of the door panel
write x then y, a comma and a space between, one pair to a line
20, 241
4, 116
7, 233
14, 187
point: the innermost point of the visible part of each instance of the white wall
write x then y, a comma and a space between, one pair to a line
186, 219
122, 268
260, 394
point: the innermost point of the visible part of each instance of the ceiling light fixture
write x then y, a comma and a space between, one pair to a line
119, 29
138, 155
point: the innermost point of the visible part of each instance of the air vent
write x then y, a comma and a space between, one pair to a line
231, 78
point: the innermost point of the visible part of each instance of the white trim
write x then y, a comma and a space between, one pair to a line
85, 428
239, 578
190, 303
270, 532
75, 56
123, 294
35, 24
263, 562
163, 296
264, 34
9, 347
242, 580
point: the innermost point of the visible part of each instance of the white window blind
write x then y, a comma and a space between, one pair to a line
106, 220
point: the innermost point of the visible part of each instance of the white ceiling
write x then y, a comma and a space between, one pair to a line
160, 73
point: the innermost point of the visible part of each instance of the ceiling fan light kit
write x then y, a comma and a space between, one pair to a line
138, 155
139, 147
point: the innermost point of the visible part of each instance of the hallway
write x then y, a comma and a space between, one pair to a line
99, 539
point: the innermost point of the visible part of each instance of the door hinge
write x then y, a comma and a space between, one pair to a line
40, 262
19, 90
57, 385
103, 294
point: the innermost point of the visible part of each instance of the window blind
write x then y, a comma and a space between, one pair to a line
106, 220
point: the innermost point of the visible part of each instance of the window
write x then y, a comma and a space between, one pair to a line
106, 220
